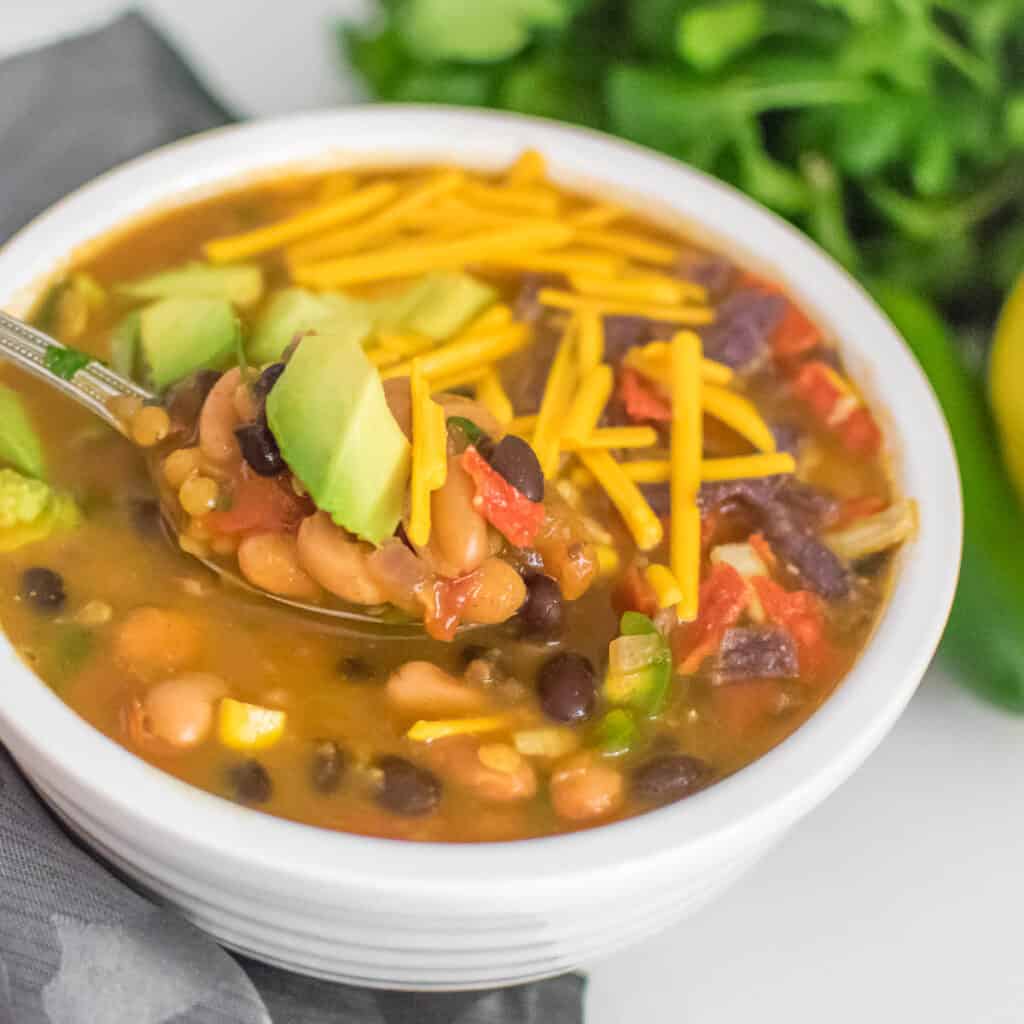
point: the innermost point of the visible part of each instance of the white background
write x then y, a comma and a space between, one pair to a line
902, 898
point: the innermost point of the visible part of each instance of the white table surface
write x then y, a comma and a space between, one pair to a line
902, 898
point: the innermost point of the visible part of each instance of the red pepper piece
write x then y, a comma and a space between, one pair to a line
642, 401
260, 505
803, 615
836, 405
815, 384
505, 508
722, 600
795, 334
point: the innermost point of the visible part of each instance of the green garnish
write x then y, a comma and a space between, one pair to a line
65, 362
472, 432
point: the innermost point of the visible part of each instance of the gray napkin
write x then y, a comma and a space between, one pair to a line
78, 945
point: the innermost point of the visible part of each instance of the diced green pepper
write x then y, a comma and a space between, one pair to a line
615, 733
645, 687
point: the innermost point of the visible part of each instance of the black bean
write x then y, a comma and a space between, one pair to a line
566, 686
670, 777
541, 613
44, 588
405, 788
250, 782
146, 517
327, 766
259, 449
356, 669
517, 462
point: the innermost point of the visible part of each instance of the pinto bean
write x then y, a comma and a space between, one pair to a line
176, 714
568, 555
218, 419
270, 561
419, 688
458, 536
152, 640
499, 593
463, 761
584, 787
337, 561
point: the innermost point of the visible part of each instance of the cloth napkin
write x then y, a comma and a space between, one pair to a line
77, 944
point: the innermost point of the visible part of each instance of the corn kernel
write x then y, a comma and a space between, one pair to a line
150, 425
499, 757
242, 726
198, 495
180, 465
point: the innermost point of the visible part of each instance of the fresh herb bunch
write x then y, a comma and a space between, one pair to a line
892, 131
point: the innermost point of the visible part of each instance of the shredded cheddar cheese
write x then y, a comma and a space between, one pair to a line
665, 585
467, 351
417, 258
654, 288
589, 403
689, 315
530, 167
604, 438
535, 200
523, 426
598, 216
422, 471
637, 514
330, 214
378, 227
563, 261
490, 393
557, 393
591, 342
654, 361
739, 413
637, 247
687, 443
743, 466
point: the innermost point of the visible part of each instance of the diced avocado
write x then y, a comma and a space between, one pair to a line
19, 442
240, 284
452, 300
615, 733
30, 510
295, 310
645, 687
124, 345
179, 336
335, 430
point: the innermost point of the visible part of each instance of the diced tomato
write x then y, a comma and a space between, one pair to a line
722, 600
858, 508
508, 510
742, 706
860, 434
632, 593
764, 550
641, 399
795, 334
260, 505
817, 384
803, 615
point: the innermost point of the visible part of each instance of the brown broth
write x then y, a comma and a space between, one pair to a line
271, 656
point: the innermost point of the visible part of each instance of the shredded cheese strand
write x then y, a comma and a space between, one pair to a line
589, 403
557, 392
739, 413
523, 426
614, 437
598, 216
471, 350
471, 375
636, 513
563, 261
591, 344
687, 443
741, 467
665, 585
530, 167
637, 247
535, 200
654, 288
491, 394
404, 343
422, 430
654, 361
338, 211
374, 229
689, 315
412, 259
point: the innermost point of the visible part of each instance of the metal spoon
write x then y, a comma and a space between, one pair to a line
93, 386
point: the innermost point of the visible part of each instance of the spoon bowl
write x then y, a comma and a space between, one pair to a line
96, 387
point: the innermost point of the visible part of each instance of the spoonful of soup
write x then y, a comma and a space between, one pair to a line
305, 480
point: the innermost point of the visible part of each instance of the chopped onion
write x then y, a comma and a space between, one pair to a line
875, 533
631, 653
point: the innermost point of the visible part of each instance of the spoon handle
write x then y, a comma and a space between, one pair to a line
92, 386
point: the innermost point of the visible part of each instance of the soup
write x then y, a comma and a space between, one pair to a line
603, 517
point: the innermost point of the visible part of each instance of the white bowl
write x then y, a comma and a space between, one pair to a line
432, 916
